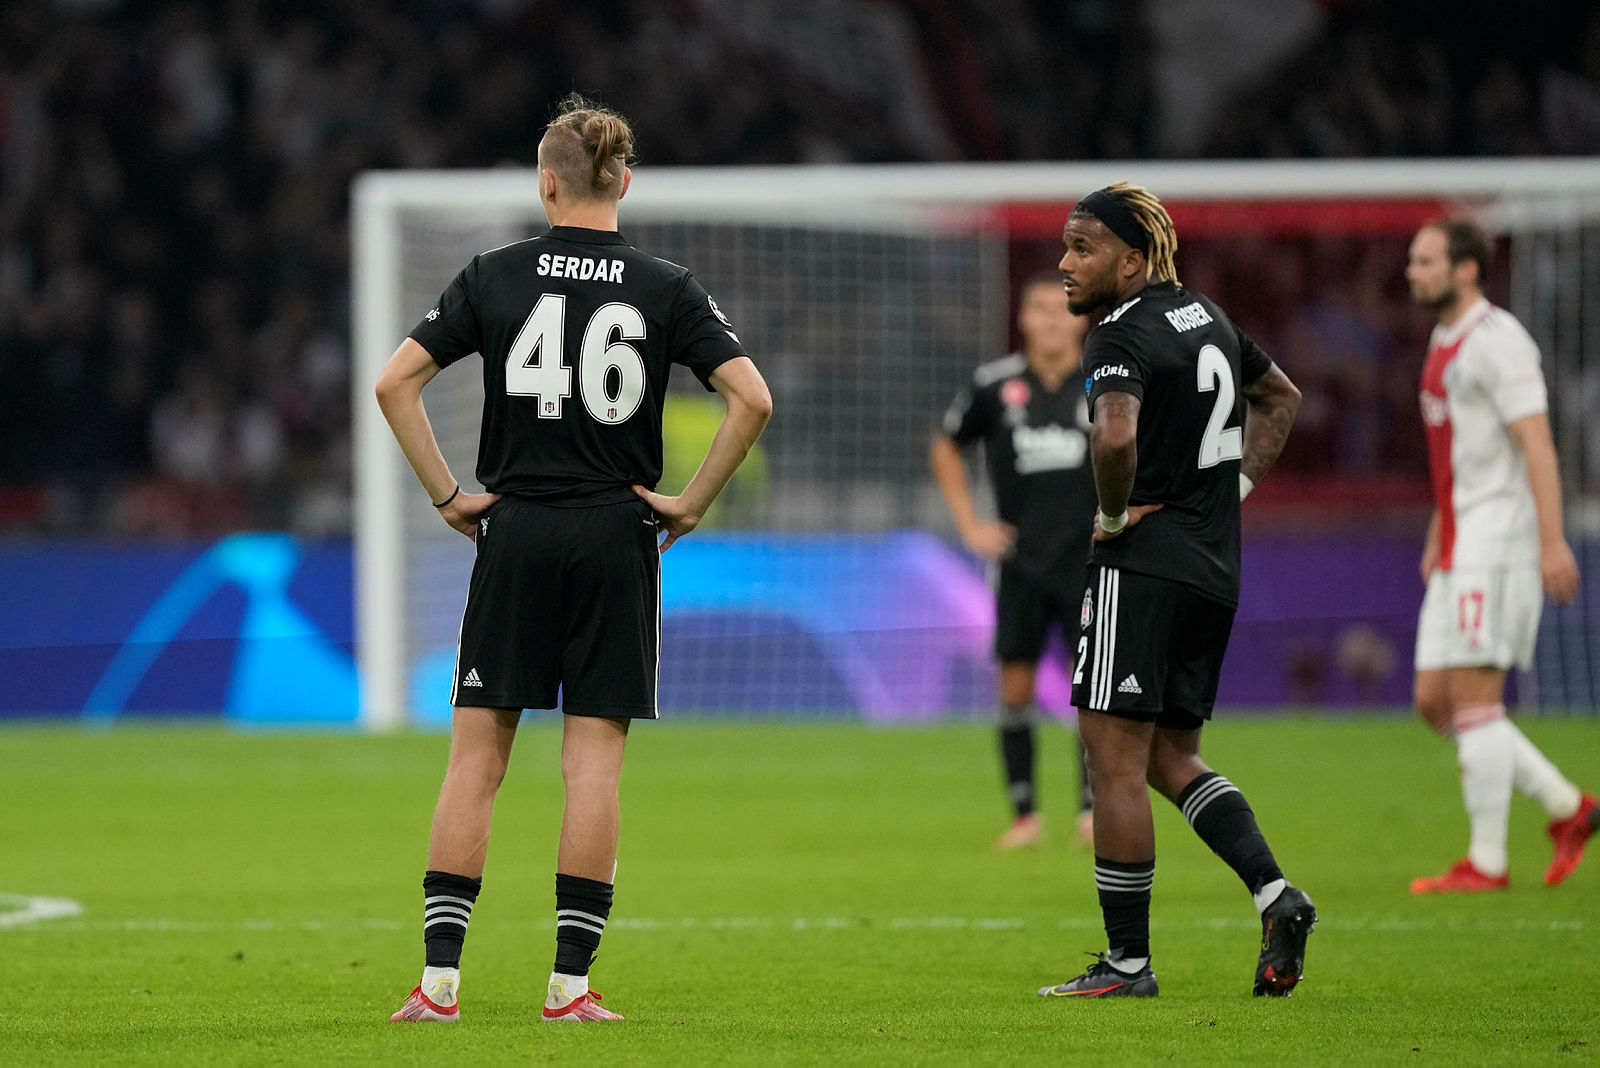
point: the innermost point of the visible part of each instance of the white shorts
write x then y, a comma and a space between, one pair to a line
1480, 617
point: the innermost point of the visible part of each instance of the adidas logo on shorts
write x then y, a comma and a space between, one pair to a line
1129, 685
472, 679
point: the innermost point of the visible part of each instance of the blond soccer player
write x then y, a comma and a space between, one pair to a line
577, 332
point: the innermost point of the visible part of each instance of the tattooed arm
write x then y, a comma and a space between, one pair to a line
1273, 401
1114, 446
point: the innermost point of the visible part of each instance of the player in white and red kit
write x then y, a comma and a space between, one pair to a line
1494, 543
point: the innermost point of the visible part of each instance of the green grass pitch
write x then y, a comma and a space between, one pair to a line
790, 894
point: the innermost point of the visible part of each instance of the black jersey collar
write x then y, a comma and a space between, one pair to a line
585, 236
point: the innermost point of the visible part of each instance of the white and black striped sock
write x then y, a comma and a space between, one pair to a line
1224, 821
1124, 889
447, 902
582, 908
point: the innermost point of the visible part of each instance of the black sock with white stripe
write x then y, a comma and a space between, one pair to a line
1125, 904
582, 908
1224, 821
1016, 752
447, 902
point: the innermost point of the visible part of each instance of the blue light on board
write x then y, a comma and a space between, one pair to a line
286, 670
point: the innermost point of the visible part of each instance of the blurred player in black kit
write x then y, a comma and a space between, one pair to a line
1029, 411
578, 331
1167, 371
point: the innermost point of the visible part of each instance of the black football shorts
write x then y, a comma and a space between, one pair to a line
1026, 608
1150, 649
563, 600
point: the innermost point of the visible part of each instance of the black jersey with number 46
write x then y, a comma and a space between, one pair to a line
1186, 361
578, 331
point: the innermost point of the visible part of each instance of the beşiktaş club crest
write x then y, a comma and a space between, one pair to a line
1015, 393
1087, 615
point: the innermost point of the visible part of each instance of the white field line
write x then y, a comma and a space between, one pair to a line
21, 910
985, 924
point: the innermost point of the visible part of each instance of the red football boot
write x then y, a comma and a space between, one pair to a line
585, 1009
1024, 831
1570, 836
420, 1008
1462, 878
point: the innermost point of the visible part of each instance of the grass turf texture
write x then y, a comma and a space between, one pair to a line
787, 894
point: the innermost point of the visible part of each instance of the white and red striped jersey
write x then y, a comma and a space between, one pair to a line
1482, 374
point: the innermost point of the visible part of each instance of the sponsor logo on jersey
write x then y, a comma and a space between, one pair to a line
1189, 317
472, 679
723, 319
434, 314
1048, 448
1129, 685
582, 268
1015, 393
1108, 371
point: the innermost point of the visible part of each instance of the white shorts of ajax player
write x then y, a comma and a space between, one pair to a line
1480, 617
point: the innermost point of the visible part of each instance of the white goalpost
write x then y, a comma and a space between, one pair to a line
867, 293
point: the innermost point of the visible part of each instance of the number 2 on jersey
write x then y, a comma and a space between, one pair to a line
535, 367
1213, 373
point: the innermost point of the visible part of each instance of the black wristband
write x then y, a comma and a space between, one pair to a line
450, 498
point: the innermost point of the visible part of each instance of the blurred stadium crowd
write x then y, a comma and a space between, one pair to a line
174, 180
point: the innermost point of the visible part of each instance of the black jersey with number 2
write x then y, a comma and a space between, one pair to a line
1186, 361
578, 331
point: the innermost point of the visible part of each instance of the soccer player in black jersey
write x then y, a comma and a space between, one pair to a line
1167, 371
578, 331
1030, 413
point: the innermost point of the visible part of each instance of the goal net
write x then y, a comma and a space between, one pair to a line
826, 582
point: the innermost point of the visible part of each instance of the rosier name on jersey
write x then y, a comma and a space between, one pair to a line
1189, 317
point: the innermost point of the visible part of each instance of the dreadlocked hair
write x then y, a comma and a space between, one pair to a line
1160, 261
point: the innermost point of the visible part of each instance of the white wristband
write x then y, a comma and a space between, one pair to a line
1245, 485
1113, 523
